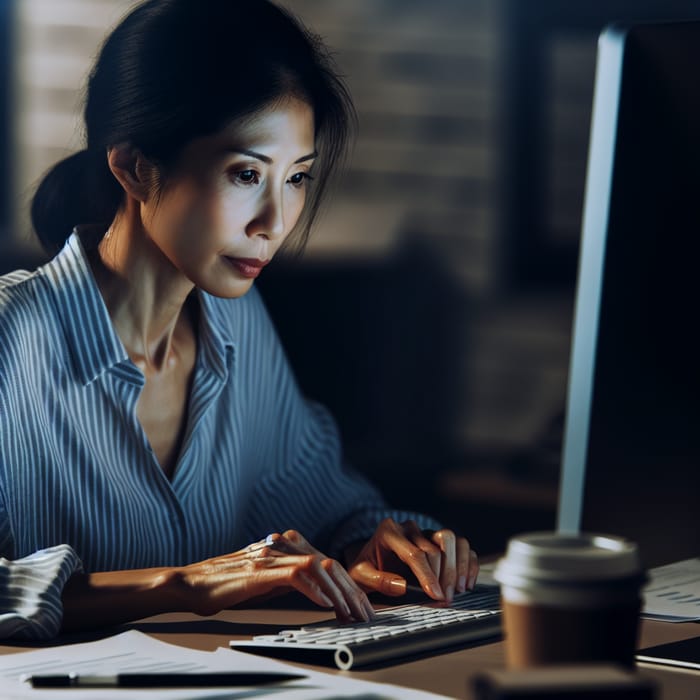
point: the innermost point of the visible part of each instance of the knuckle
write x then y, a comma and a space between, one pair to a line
303, 569
296, 575
446, 537
361, 570
264, 563
309, 561
330, 565
432, 551
358, 598
415, 555
410, 525
292, 535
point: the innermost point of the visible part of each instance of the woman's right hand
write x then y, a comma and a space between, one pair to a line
275, 564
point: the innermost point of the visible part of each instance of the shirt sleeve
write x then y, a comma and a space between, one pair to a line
31, 588
305, 484
315, 492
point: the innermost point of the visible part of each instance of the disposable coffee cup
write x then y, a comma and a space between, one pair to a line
570, 599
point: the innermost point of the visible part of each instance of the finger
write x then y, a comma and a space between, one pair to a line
291, 542
359, 605
349, 601
307, 585
355, 597
433, 553
448, 573
356, 605
473, 569
463, 563
372, 579
295, 541
415, 559
229, 583
310, 574
361, 596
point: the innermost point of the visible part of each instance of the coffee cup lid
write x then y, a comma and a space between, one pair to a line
550, 556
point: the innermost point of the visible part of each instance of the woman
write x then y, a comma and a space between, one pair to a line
151, 432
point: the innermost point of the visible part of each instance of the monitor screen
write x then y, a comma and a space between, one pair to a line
631, 457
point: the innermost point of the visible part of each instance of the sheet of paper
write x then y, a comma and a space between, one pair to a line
673, 592
135, 652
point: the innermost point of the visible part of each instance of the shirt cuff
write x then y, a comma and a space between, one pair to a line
31, 591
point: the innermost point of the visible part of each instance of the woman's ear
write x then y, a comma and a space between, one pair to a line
133, 171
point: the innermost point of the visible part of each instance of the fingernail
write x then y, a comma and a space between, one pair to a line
436, 591
398, 586
449, 593
462, 584
472, 582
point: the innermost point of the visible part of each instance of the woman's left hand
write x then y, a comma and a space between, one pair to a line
442, 562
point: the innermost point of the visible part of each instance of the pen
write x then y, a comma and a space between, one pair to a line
159, 680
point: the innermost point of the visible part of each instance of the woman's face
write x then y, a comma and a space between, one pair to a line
233, 197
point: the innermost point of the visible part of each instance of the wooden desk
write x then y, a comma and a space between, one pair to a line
449, 674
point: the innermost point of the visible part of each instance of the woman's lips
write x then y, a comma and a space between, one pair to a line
248, 267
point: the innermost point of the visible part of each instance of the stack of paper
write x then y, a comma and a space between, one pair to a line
135, 652
673, 592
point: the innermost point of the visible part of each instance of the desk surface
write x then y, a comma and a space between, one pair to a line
448, 674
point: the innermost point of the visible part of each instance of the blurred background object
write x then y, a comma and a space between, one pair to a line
432, 309
6, 53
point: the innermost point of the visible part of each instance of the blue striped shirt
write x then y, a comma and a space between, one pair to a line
79, 483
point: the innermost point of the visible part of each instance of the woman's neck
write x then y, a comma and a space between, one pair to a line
144, 294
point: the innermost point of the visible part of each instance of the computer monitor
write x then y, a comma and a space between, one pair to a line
631, 454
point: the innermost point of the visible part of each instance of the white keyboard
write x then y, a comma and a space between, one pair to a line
395, 633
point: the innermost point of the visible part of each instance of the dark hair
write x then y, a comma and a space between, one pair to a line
174, 70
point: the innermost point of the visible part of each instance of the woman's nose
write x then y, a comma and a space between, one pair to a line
269, 220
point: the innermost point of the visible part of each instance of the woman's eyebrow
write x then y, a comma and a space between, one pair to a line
267, 159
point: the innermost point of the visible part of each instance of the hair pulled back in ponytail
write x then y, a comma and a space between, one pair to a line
79, 189
175, 70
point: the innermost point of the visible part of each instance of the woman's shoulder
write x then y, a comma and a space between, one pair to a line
24, 309
17, 293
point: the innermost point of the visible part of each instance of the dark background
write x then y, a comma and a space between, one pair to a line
5, 165
432, 310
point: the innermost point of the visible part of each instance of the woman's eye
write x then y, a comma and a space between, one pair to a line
299, 179
246, 177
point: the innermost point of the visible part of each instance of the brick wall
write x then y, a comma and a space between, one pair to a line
424, 176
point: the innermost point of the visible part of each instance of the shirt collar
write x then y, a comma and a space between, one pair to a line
216, 343
91, 338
